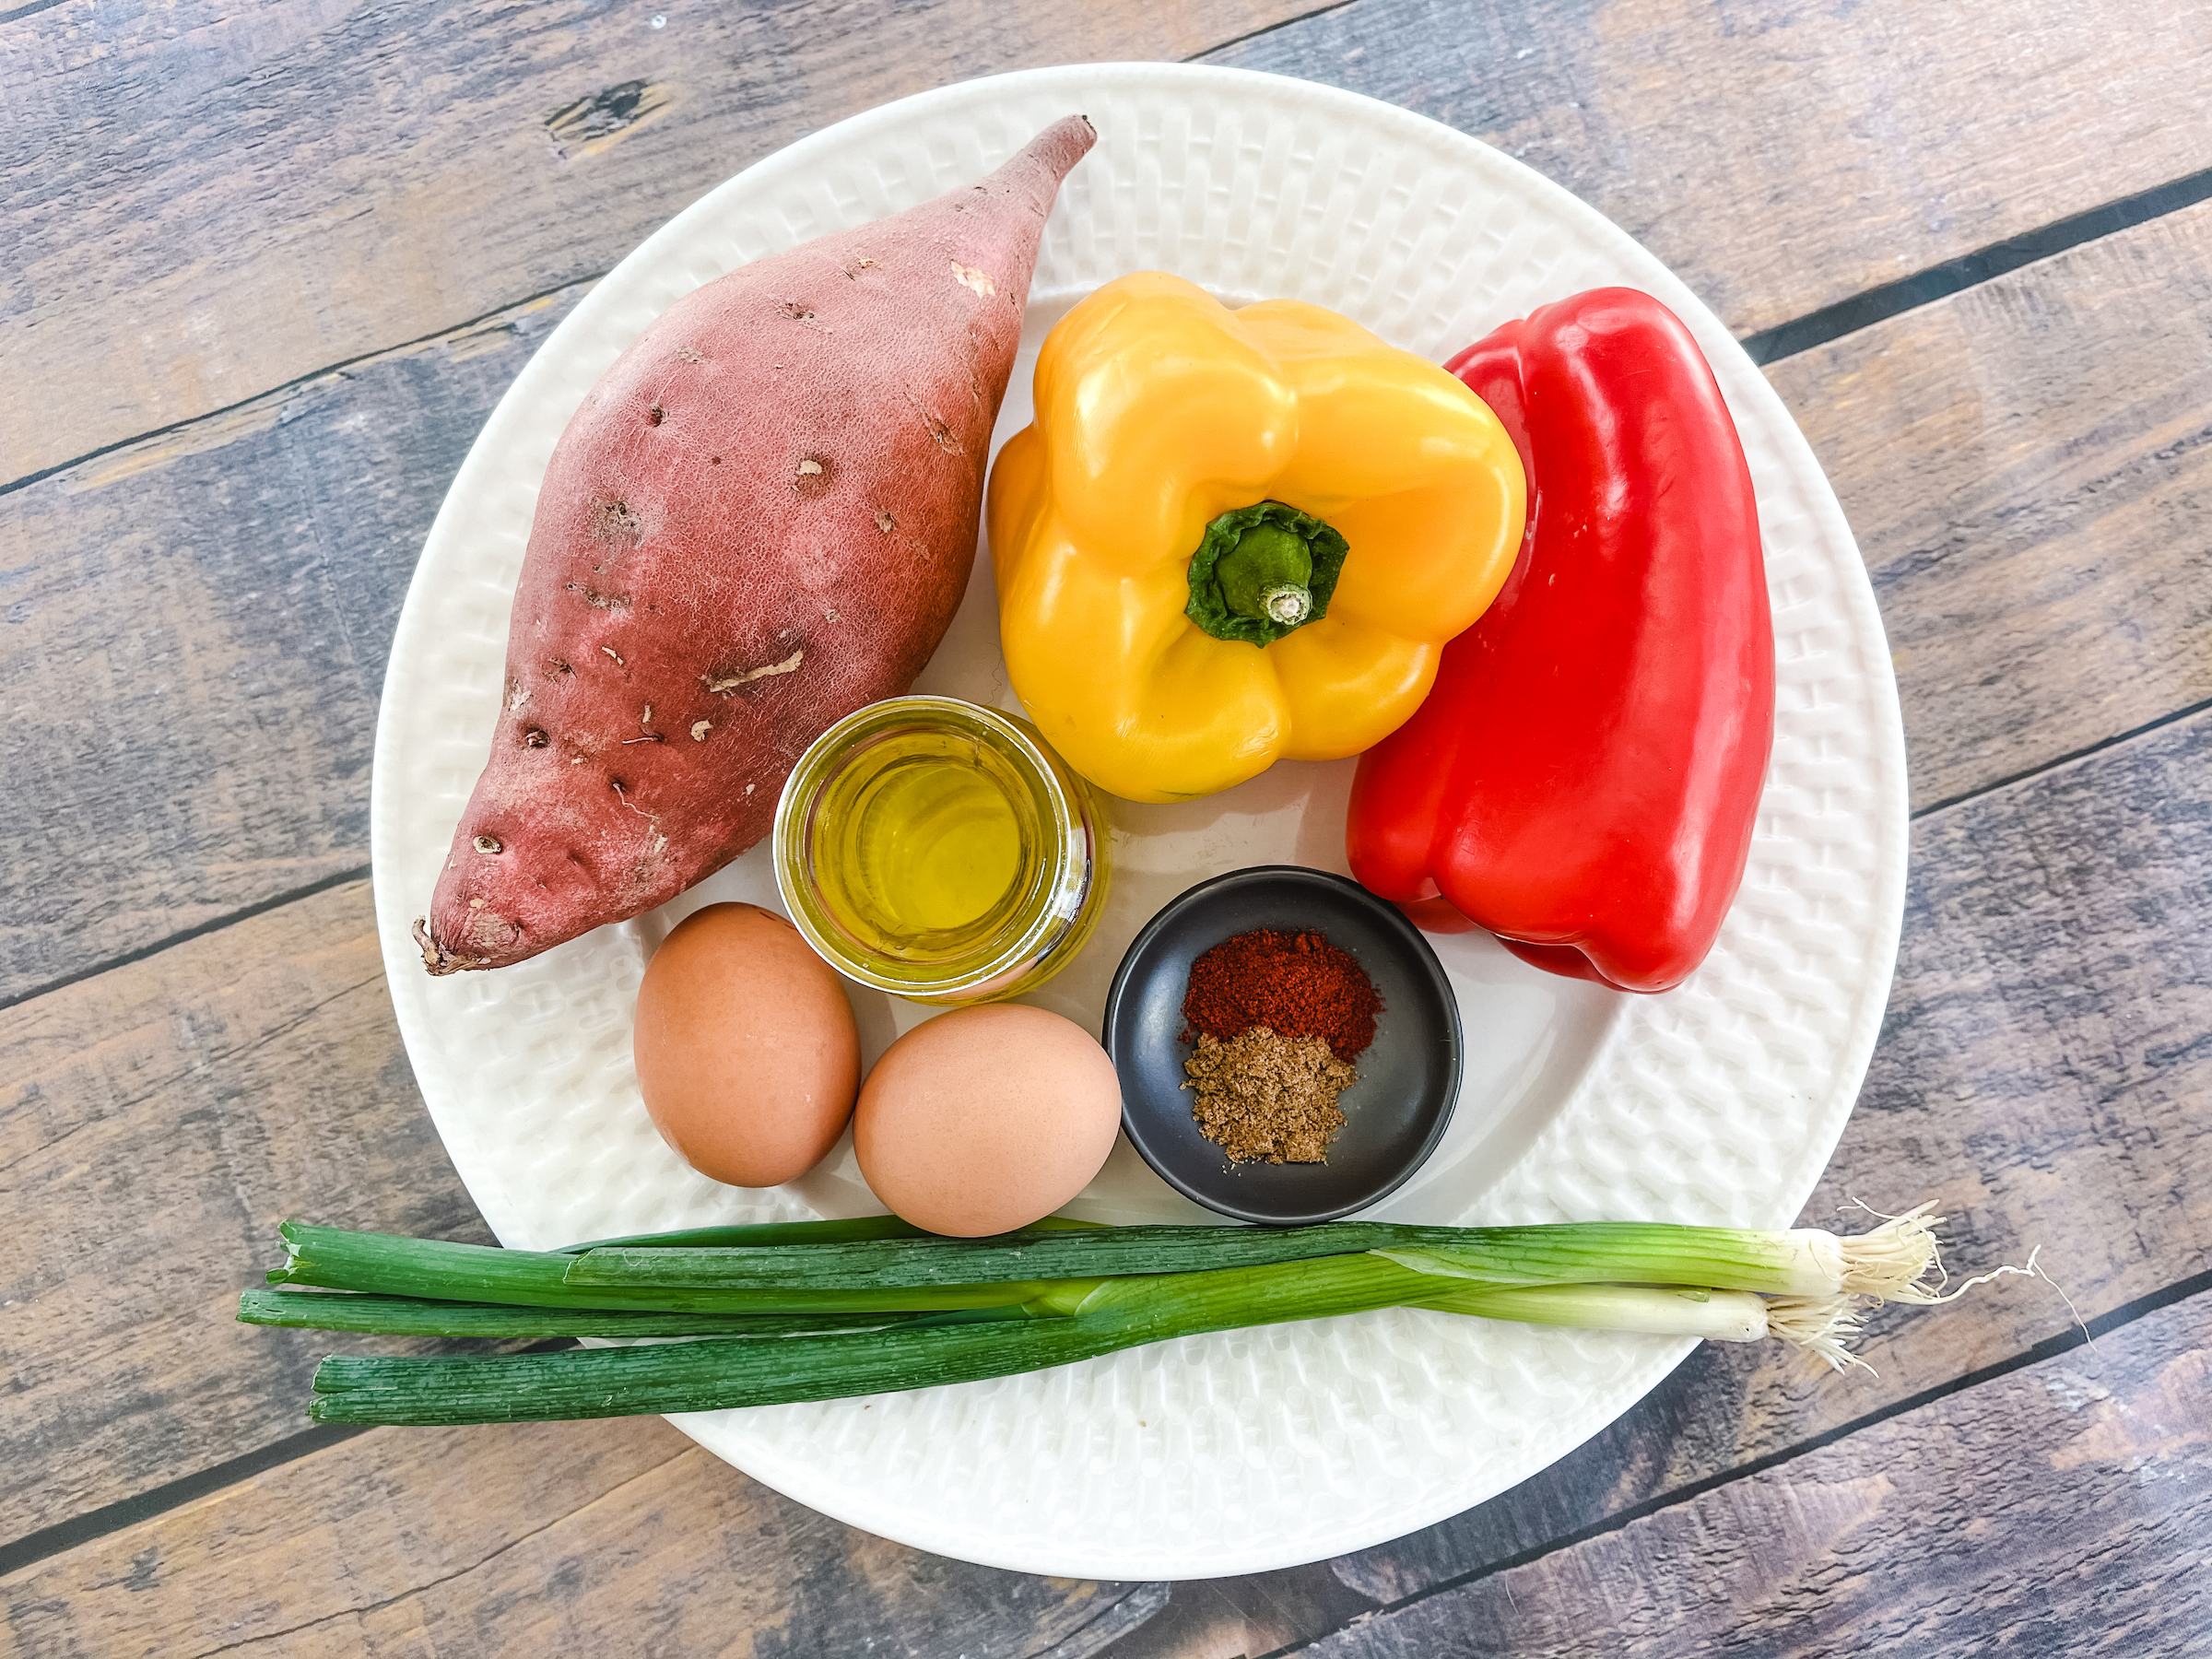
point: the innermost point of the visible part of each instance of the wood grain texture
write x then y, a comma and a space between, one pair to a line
203, 205
1262, 1613
206, 206
2064, 1509
193, 638
2043, 1071
2028, 468
155, 1123
1783, 156
610, 1537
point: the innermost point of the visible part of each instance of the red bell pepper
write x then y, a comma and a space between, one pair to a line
1582, 778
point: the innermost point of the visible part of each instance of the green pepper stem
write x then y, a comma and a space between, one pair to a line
1264, 575
1262, 571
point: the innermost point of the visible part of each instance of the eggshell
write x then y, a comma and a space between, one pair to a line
984, 1119
746, 1048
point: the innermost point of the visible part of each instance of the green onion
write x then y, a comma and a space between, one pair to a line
1032, 1253
703, 1375
1629, 1252
384, 1263
1802, 1263
419, 1316
1886, 1264
712, 1373
762, 1233
1665, 1311
337, 1259
1671, 1280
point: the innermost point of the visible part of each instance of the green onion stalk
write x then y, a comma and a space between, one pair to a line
810, 1326
1805, 1261
334, 1259
421, 1316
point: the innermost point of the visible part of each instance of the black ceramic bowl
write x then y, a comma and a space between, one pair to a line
1394, 1115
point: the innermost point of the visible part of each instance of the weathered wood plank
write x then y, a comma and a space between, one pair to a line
2043, 1071
612, 1537
203, 207
2063, 1508
2028, 466
1262, 1613
315, 184
194, 641
155, 1123
1780, 157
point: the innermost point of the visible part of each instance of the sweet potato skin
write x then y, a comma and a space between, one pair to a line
761, 519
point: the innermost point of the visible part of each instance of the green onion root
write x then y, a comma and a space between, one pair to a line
1895, 1261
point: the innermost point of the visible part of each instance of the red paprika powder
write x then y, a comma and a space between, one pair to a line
1297, 984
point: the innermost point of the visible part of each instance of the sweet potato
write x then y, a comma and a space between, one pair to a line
763, 518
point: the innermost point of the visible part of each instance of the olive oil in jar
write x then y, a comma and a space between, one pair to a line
939, 850
926, 842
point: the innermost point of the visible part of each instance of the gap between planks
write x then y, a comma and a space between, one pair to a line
2068, 758
1833, 323
185, 935
573, 290
126, 1513
1243, 40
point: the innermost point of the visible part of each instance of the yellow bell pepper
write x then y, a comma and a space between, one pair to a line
1234, 537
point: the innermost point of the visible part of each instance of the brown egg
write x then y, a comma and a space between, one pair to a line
746, 1048
984, 1119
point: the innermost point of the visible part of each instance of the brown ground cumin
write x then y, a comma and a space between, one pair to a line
1267, 1098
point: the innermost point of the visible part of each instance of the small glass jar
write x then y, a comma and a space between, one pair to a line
940, 850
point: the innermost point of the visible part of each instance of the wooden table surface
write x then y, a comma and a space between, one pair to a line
265, 267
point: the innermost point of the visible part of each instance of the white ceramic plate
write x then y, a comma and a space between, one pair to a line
1718, 1102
